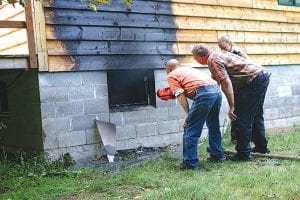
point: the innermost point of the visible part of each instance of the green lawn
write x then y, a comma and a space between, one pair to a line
158, 179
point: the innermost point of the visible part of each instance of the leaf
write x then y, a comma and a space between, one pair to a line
92, 7
128, 2
22, 3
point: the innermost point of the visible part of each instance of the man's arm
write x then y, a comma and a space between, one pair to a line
226, 86
183, 102
185, 105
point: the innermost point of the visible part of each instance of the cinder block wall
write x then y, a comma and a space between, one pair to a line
282, 103
70, 101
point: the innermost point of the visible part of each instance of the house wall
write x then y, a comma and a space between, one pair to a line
21, 129
71, 101
150, 32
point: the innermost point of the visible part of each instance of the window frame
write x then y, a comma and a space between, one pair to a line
293, 3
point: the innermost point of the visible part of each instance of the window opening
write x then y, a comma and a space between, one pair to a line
130, 88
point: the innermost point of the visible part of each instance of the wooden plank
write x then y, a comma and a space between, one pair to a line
258, 49
20, 16
33, 62
67, 63
277, 59
261, 37
140, 6
17, 49
9, 11
108, 47
232, 13
82, 17
7, 31
107, 19
61, 32
184, 35
12, 24
13, 62
10, 40
40, 35
104, 62
233, 25
222, 9
154, 48
258, 4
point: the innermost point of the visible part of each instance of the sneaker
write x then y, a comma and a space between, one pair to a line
237, 158
183, 166
211, 159
255, 150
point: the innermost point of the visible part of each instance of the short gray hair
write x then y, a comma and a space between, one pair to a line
225, 38
200, 50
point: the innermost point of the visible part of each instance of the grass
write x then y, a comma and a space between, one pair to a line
158, 179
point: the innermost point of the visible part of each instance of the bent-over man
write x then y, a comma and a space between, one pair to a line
187, 82
244, 85
226, 44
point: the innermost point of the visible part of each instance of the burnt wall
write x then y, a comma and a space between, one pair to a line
114, 37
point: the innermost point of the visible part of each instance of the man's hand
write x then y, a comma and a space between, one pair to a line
185, 122
231, 114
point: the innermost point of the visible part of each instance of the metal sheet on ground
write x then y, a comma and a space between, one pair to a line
107, 132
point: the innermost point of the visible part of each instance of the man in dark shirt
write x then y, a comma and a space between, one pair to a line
226, 44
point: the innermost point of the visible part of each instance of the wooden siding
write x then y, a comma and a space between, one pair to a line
151, 32
13, 41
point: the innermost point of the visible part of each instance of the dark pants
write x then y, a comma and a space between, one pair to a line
232, 132
249, 125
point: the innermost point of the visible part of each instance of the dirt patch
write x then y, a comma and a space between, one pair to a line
280, 130
127, 159
3, 190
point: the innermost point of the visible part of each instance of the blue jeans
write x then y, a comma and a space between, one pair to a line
249, 124
205, 108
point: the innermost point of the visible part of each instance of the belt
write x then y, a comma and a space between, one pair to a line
260, 74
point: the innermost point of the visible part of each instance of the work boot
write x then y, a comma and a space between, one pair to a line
255, 150
212, 159
183, 166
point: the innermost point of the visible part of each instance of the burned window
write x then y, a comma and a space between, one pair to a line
130, 88
3, 97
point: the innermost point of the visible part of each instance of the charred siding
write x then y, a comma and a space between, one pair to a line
114, 37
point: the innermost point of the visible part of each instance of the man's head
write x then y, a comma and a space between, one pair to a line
171, 65
225, 43
201, 53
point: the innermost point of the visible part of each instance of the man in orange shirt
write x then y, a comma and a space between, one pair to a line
187, 82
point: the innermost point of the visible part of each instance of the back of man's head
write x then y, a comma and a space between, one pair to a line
200, 50
224, 38
172, 63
